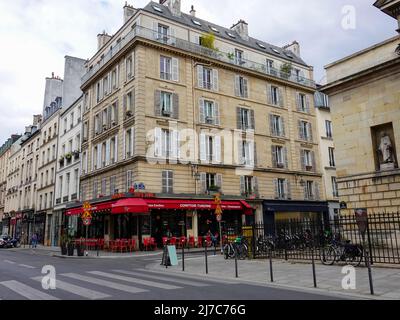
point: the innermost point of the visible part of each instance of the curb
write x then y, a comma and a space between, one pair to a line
104, 257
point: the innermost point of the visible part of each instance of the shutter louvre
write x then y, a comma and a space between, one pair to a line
217, 149
269, 94
108, 152
239, 118
274, 152
286, 159
237, 86
203, 179
215, 79
175, 69
157, 142
242, 185
203, 147
217, 114
219, 181
202, 111
271, 125
175, 105
200, 70
276, 188
252, 120
116, 149
246, 88
255, 154
281, 99
157, 103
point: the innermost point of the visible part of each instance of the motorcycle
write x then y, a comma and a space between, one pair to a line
9, 242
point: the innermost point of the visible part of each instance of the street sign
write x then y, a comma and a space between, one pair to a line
362, 220
87, 222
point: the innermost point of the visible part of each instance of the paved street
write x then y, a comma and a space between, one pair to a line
124, 279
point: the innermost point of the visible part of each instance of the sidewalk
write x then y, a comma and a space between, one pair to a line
56, 252
294, 275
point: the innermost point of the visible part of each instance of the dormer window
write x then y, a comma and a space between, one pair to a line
288, 55
275, 50
214, 29
158, 9
197, 23
261, 45
231, 34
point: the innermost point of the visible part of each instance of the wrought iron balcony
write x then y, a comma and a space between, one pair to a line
148, 34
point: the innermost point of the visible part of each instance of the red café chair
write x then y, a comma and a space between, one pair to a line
146, 244
153, 244
132, 245
182, 242
123, 245
199, 242
101, 244
191, 243
113, 245
165, 241
172, 241
209, 242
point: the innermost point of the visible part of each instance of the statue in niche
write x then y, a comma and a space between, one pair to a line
386, 149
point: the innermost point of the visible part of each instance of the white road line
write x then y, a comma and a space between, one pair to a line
79, 291
104, 283
185, 282
26, 291
27, 266
192, 276
10, 262
135, 280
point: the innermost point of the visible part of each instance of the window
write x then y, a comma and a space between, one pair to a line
331, 152
166, 104
210, 148
209, 112
245, 119
129, 142
274, 96
165, 68
282, 189
239, 57
99, 95
261, 45
230, 34
67, 183
103, 191
76, 181
167, 182
279, 157
156, 8
248, 185
321, 100
308, 160
214, 29
129, 102
163, 32
207, 78
65, 125
113, 185
114, 80
270, 67
197, 23
277, 126
95, 189
303, 103
241, 87
335, 189
114, 113
105, 85
309, 190
328, 126
86, 101
167, 143
305, 131
246, 153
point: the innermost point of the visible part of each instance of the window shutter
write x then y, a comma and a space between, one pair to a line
200, 83
237, 85
215, 79
252, 120
298, 102
306, 197
124, 145
174, 145
108, 152
310, 132
132, 141
285, 158
288, 191
110, 82
217, 115
276, 187
128, 180
116, 149
255, 154
240, 152
157, 103
203, 179
271, 125
269, 94
316, 191
219, 181
172, 38
217, 149
98, 156
242, 185
175, 69
203, 147
313, 161
109, 116
301, 133
197, 39
93, 159
307, 104
303, 160
281, 99
157, 142
164, 179
273, 153
283, 130
202, 111
155, 29
125, 98
254, 181
250, 156
239, 118
175, 105
246, 88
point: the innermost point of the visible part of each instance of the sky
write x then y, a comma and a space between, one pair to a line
37, 34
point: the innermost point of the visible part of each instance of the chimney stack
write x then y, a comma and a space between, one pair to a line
102, 39
293, 47
37, 119
242, 28
173, 5
193, 12
129, 11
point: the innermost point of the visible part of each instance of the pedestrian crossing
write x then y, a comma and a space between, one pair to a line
100, 285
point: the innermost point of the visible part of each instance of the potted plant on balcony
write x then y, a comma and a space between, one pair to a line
286, 70
213, 189
208, 41
231, 56
76, 154
68, 156
61, 160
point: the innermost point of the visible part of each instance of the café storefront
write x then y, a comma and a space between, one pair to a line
145, 215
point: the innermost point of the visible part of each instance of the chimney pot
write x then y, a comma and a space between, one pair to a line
193, 12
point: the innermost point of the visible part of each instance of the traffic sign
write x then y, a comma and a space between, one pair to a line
362, 220
87, 222
219, 218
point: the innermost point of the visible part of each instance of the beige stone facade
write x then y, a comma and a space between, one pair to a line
365, 102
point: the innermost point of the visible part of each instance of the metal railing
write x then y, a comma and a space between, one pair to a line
185, 45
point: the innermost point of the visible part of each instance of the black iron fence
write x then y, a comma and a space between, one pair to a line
300, 239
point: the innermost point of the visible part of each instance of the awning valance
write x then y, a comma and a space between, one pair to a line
130, 205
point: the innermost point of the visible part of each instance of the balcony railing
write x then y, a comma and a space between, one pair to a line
196, 49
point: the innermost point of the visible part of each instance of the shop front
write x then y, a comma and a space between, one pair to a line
6, 225
39, 226
146, 216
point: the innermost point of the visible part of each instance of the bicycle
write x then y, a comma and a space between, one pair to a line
239, 247
352, 254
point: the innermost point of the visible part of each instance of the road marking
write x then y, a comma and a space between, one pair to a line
26, 291
185, 282
193, 276
79, 291
135, 280
10, 262
27, 266
104, 283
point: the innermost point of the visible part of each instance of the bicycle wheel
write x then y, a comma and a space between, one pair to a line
328, 255
226, 252
355, 258
231, 251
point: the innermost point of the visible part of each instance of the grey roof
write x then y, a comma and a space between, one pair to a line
186, 19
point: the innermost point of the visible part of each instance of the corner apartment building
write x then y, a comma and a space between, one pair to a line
169, 116
327, 152
364, 95
5, 151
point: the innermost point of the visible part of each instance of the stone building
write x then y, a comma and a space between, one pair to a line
364, 95
168, 120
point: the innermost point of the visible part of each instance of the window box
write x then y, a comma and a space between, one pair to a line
166, 113
129, 113
309, 168
280, 166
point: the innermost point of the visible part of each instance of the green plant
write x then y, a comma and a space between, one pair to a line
286, 69
208, 40
213, 188
68, 156
231, 56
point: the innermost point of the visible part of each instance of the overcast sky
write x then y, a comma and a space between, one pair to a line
37, 34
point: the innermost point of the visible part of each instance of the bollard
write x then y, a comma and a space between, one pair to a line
313, 267
206, 253
183, 258
270, 266
97, 248
368, 265
236, 265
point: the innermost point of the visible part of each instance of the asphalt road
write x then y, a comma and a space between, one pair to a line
121, 279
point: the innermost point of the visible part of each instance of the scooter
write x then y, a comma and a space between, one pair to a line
8, 242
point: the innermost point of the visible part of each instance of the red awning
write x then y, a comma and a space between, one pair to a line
130, 205
139, 205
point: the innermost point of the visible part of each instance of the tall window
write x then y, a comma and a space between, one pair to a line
207, 78
309, 190
166, 104
129, 67
129, 180
335, 189
239, 57
241, 87
103, 187
279, 157
167, 181
113, 185
248, 185
308, 160
165, 68
305, 130
163, 33
247, 153
245, 119
331, 152
328, 126
302, 103
277, 126
282, 189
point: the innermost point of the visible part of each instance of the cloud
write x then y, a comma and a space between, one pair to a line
37, 34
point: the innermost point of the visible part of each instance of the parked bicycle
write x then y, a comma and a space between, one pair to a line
240, 248
337, 251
